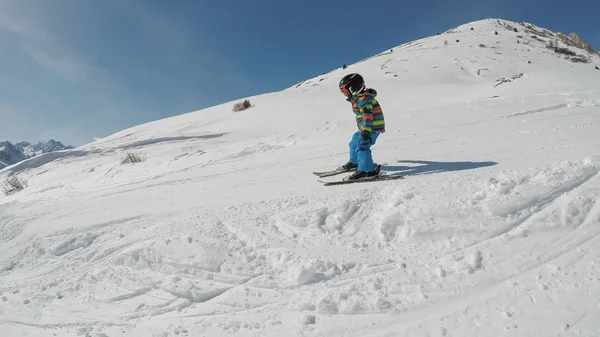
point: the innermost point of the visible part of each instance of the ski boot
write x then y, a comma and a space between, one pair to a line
349, 167
364, 175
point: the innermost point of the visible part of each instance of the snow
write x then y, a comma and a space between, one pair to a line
223, 230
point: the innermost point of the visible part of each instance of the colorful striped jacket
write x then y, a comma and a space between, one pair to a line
369, 116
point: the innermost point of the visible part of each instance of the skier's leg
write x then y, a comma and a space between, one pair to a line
365, 158
354, 148
374, 136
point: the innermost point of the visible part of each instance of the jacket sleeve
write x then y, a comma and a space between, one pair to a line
366, 109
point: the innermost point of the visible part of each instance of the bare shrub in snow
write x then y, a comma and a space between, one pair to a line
535, 37
574, 40
590, 49
13, 185
555, 46
579, 59
507, 79
565, 51
132, 158
240, 106
506, 26
533, 30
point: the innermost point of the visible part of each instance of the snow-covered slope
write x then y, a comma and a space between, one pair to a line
223, 230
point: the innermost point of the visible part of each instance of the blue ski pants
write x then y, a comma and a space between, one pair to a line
360, 151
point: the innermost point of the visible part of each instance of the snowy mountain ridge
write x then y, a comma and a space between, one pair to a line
222, 229
11, 154
527, 39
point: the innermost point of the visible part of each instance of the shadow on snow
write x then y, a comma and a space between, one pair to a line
417, 167
153, 141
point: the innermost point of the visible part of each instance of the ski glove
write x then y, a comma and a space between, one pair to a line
365, 140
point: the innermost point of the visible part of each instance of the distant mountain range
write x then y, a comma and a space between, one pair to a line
14, 153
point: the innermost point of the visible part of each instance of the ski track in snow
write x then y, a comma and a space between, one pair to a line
581, 103
223, 230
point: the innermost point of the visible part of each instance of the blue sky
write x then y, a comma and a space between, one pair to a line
78, 69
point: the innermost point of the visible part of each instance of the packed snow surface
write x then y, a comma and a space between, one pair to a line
222, 229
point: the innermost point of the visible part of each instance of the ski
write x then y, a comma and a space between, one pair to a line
363, 180
332, 173
335, 172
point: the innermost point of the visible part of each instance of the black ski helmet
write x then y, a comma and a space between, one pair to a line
352, 84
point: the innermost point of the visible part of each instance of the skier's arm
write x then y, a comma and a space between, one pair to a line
367, 112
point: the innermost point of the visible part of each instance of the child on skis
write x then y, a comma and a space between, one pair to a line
370, 123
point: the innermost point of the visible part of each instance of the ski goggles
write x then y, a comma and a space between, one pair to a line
344, 90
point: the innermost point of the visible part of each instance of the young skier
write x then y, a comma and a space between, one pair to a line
370, 123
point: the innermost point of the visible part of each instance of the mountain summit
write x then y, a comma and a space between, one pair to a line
221, 228
481, 51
